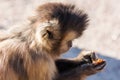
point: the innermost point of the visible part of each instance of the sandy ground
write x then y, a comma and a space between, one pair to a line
102, 35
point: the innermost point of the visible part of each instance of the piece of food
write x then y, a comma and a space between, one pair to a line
98, 61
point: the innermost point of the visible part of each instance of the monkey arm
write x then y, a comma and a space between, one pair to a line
80, 67
64, 65
69, 69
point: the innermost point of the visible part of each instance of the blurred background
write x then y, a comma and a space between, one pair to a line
102, 35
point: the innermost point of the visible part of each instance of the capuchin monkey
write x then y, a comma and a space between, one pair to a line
32, 51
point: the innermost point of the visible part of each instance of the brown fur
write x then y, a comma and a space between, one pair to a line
29, 52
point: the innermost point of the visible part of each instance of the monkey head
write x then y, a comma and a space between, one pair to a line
56, 25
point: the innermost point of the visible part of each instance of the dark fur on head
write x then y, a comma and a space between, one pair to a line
69, 17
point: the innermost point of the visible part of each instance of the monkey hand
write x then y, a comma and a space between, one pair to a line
91, 63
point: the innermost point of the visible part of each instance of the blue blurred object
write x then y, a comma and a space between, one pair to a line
73, 52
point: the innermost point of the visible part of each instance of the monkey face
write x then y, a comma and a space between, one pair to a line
54, 39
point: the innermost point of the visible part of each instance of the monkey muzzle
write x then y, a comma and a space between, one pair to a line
69, 44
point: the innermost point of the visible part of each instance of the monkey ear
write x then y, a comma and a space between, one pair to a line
48, 34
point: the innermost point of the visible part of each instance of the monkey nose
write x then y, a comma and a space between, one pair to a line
69, 44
